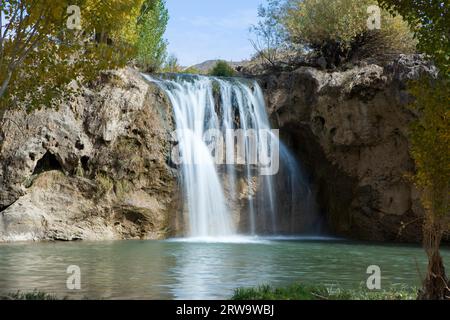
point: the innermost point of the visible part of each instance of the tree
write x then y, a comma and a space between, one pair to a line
430, 21
430, 135
338, 29
270, 34
222, 69
430, 141
43, 47
151, 45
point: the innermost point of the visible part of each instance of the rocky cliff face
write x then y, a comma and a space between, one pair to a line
96, 168
349, 129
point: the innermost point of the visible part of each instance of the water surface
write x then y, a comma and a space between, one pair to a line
179, 269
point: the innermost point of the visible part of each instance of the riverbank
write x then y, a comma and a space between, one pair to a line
34, 295
266, 292
301, 292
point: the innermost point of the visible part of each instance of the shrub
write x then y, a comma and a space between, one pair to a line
222, 69
338, 29
122, 187
104, 184
192, 70
171, 65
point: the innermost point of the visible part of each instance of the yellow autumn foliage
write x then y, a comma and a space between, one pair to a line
430, 144
40, 55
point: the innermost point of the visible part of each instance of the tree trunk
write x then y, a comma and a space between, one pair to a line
5, 84
436, 285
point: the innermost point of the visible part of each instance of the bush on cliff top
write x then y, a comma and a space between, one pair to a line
222, 69
337, 30
341, 27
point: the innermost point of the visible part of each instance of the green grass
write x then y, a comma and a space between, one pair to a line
301, 292
266, 292
35, 295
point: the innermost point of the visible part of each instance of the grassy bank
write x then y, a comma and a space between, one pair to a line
300, 292
35, 295
293, 292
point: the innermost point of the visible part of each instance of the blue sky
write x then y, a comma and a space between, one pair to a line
201, 30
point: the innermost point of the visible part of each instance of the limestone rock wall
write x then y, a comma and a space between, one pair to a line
350, 131
95, 168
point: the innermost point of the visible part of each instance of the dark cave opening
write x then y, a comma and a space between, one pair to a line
331, 188
85, 163
48, 162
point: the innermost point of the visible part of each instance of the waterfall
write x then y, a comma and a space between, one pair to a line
209, 112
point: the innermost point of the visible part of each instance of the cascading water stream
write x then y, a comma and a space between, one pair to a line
202, 104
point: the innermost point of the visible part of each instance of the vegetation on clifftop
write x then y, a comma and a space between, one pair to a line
337, 31
222, 69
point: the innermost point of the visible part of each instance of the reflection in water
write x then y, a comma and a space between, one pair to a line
205, 271
190, 270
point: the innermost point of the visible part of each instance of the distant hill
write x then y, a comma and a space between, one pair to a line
206, 66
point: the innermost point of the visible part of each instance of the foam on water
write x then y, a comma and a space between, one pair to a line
231, 239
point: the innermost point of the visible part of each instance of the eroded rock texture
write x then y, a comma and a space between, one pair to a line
96, 168
350, 131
